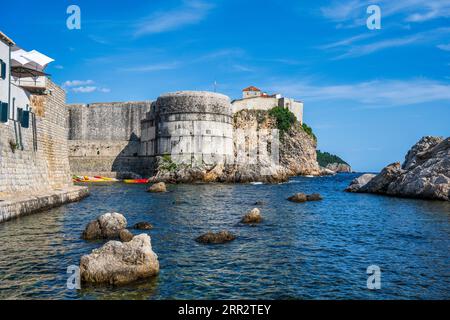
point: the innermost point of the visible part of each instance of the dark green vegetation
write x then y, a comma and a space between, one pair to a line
325, 158
309, 131
285, 118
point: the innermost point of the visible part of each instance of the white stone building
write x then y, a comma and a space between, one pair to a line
255, 99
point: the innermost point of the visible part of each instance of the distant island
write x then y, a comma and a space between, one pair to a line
332, 162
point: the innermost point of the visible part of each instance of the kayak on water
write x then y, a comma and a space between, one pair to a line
136, 181
97, 179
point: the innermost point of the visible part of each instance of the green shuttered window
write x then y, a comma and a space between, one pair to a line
4, 111
3, 69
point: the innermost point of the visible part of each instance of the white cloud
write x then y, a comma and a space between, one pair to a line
445, 47
76, 83
353, 47
241, 68
151, 67
372, 94
87, 89
353, 13
191, 12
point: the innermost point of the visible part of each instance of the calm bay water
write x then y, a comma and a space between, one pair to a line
315, 250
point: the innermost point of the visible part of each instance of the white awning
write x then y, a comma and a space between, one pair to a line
17, 56
32, 59
38, 58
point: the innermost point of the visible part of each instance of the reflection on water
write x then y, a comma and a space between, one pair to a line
300, 251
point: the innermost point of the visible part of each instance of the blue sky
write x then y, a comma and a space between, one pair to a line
369, 94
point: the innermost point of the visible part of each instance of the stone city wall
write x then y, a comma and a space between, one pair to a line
104, 139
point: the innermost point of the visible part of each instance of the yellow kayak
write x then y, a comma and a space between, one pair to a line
96, 179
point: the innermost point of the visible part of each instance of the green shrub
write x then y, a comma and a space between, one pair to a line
167, 163
309, 131
285, 118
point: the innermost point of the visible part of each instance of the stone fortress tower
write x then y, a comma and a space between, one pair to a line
188, 127
193, 127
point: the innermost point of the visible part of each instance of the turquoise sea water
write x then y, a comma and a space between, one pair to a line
315, 250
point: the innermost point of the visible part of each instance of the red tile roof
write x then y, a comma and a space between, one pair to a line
251, 88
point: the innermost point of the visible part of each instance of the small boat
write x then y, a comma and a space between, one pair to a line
97, 179
136, 181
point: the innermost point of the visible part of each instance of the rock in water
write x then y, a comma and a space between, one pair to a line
314, 197
119, 263
359, 182
158, 188
381, 182
299, 197
425, 173
339, 167
106, 226
254, 216
125, 235
216, 238
143, 226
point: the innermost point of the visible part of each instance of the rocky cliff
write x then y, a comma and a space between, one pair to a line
425, 173
297, 155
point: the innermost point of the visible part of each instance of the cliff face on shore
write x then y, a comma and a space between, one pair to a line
425, 173
297, 155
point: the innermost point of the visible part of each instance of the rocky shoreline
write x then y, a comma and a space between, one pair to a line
425, 173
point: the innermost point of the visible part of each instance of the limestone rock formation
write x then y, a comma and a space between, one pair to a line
314, 197
299, 197
339, 167
159, 187
118, 263
424, 174
125, 235
216, 238
143, 226
254, 216
106, 226
359, 182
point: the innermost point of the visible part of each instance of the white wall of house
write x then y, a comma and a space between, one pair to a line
257, 103
267, 103
4, 55
19, 99
250, 94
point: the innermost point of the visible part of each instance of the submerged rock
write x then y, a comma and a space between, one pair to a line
158, 188
314, 197
143, 226
216, 238
359, 182
125, 235
254, 216
119, 263
106, 226
424, 174
299, 197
